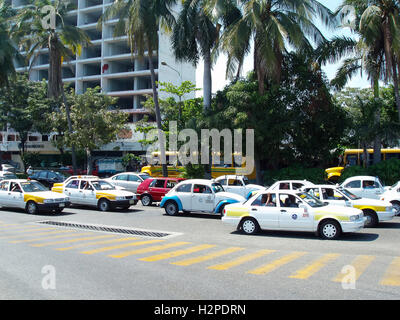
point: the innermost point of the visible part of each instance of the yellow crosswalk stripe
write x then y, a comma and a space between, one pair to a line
276, 263
241, 260
360, 264
70, 240
177, 253
314, 267
392, 275
125, 245
52, 237
33, 229
190, 261
96, 243
38, 234
148, 249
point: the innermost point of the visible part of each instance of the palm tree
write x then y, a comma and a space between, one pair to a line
273, 27
63, 42
376, 51
141, 21
196, 34
8, 49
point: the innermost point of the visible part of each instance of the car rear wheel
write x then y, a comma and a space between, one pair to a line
146, 200
32, 208
171, 208
250, 226
329, 230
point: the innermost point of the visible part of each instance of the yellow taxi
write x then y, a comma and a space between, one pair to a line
31, 196
96, 192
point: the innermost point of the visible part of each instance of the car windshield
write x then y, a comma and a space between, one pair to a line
350, 195
311, 200
217, 187
102, 185
33, 186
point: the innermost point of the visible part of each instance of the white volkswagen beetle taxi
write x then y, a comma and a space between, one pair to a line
31, 196
198, 195
292, 210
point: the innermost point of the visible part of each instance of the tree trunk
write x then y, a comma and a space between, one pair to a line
89, 167
377, 140
396, 88
158, 115
207, 81
55, 86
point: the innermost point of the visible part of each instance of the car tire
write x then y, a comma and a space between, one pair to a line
372, 219
32, 208
171, 208
329, 230
249, 226
146, 200
103, 205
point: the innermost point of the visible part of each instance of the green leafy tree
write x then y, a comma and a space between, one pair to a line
39, 28
95, 122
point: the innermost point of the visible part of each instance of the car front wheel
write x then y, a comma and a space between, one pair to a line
171, 208
104, 205
146, 200
329, 230
32, 207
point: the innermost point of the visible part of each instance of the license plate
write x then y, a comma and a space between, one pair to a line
61, 205
131, 201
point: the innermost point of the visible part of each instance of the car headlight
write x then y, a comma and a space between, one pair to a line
48, 201
119, 198
355, 217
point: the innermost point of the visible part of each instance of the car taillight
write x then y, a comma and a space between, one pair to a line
224, 211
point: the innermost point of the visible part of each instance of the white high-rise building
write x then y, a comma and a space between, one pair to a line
107, 63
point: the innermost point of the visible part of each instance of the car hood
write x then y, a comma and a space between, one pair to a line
371, 202
45, 195
255, 187
229, 195
336, 210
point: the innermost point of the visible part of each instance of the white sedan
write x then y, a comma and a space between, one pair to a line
128, 180
238, 184
292, 211
392, 194
364, 186
374, 210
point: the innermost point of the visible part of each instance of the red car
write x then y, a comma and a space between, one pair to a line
153, 189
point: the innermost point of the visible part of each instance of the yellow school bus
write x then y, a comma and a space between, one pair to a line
354, 157
177, 171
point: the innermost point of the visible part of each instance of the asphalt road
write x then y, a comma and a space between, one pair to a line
193, 256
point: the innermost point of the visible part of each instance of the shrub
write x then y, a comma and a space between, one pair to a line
315, 175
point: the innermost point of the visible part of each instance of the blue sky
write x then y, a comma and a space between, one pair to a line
219, 80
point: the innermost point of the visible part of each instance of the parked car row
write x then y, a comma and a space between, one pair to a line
327, 210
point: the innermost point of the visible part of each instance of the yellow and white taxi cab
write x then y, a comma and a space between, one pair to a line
96, 192
292, 210
374, 210
31, 196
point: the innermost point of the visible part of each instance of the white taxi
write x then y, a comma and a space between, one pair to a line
198, 195
292, 210
374, 210
31, 196
392, 194
238, 184
96, 192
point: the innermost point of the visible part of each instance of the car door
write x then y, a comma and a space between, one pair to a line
235, 186
121, 180
265, 210
72, 191
184, 194
354, 187
87, 194
157, 189
15, 195
292, 215
371, 189
133, 182
4, 196
203, 198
